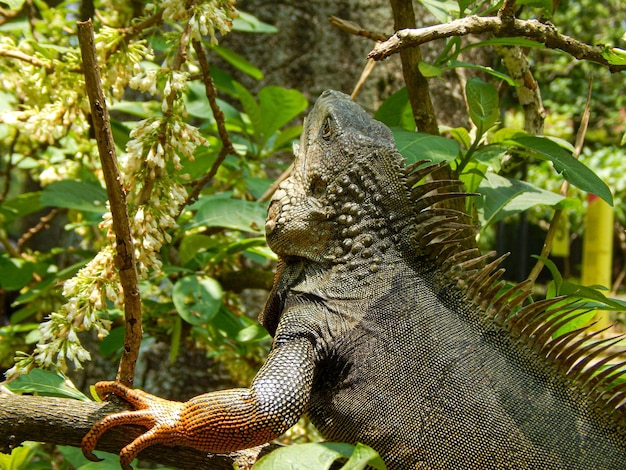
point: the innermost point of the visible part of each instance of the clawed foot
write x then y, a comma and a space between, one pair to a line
158, 415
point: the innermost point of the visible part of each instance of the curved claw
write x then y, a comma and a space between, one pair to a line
89, 455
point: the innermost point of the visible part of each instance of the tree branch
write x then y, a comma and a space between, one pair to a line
64, 421
416, 84
544, 33
227, 145
125, 257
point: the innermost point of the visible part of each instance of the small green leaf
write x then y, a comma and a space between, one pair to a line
614, 55
238, 62
572, 169
236, 214
585, 293
503, 197
461, 135
429, 70
520, 42
20, 456
415, 146
482, 68
364, 457
197, 299
78, 195
319, 456
482, 99
248, 23
251, 334
46, 383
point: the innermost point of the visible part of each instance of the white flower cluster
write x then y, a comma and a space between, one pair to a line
210, 16
154, 143
86, 294
121, 59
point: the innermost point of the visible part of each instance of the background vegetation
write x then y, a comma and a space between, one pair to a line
201, 136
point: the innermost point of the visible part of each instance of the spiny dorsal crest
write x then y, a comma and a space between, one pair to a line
447, 237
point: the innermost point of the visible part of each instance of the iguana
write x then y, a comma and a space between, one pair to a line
391, 329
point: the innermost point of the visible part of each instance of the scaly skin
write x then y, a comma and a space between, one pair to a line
216, 422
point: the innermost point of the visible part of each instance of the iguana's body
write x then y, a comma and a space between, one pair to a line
388, 333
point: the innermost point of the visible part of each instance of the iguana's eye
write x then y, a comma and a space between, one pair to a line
327, 128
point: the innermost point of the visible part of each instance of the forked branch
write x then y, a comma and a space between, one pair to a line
544, 33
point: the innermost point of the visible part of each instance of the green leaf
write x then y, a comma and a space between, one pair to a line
236, 214
20, 456
285, 138
20, 206
482, 68
193, 243
197, 299
572, 169
16, 272
460, 134
251, 334
248, 23
14, 4
319, 456
75, 457
364, 457
250, 107
415, 146
396, 111
112, 343
520, 42
482, 99
443, 10
614, 55
278, 106
78, 195
238, 62
503, 197
46, 383
429, 70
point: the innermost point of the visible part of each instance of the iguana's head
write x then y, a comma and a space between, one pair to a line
346, 187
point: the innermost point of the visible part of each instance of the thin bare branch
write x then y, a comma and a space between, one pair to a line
227, 145
352, 28
544, 33
125, 257
137, 28
44, 222
26, 58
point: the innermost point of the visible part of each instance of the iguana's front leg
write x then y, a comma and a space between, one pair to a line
222, 421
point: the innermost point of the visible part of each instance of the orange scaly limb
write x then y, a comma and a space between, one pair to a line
216, 422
